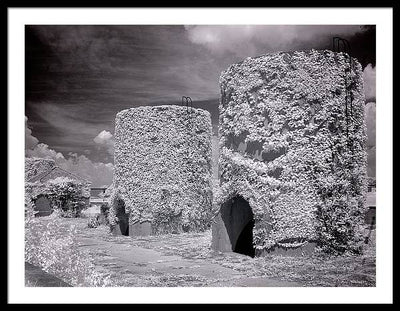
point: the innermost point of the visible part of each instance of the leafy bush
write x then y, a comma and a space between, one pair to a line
104, 209
57, 252
94, 222
117, 205
66, 195
336, 232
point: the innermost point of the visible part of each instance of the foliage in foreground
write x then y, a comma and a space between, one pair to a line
57, 252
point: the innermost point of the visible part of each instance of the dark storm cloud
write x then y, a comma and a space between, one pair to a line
79, 77
252, 40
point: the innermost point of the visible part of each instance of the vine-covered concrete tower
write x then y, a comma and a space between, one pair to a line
292, 153
162, 179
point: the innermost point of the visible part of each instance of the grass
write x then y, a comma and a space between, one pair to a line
307, 270
50, 245
312, 270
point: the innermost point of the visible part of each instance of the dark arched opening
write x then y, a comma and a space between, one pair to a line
244, 243
123, 218
238, 218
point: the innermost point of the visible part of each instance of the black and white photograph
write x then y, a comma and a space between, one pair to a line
200, 155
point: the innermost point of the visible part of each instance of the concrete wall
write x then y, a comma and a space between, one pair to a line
42, 206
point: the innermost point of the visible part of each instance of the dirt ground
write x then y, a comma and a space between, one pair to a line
187, 260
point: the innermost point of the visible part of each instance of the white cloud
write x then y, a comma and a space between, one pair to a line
251, 40
103, 137
369, 76
106, 140
43, 151
96, 172
30, 140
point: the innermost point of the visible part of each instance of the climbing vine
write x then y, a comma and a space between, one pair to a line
163, 166
293, 145
66, 196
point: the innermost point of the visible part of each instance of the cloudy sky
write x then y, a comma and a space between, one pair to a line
79, 77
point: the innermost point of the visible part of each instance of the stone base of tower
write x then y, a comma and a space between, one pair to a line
140, 229
122, 227
222, 241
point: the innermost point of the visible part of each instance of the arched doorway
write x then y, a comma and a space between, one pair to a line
123, 218
238, 219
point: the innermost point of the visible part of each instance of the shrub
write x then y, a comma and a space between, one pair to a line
57, 252
104, 209
117, 205
66, 195
94, 222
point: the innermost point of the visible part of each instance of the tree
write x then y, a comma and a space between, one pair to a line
66, 196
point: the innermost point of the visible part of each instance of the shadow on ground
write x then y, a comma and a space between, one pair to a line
36, 277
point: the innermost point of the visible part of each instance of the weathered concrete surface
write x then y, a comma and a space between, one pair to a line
220, 240
42, 206
140, 229
36, 277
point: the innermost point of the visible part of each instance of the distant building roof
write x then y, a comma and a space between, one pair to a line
98, 188
57, 172
37, 166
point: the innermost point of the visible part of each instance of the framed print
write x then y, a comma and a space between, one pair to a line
200, 155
